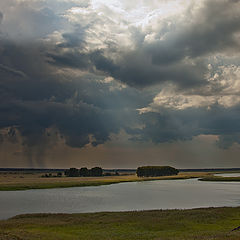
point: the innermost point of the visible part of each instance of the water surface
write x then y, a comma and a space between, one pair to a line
165, 194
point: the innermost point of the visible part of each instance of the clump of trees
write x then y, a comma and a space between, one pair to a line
84, 172
156, 171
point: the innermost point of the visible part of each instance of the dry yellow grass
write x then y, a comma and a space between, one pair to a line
22, 181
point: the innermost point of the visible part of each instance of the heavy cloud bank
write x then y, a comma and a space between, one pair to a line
78, 71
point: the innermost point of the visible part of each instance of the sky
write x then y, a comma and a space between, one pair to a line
119, 83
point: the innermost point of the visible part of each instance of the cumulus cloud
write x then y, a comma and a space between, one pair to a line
222, 88
155, 46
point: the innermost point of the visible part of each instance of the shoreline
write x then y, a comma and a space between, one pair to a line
176, 224
17, 182
66, 182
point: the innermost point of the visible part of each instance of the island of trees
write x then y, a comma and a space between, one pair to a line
84, 172
156, 171
145, 171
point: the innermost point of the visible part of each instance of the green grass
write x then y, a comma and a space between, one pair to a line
193, 224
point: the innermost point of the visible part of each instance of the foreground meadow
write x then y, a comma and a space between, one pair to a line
193, 224
24, 181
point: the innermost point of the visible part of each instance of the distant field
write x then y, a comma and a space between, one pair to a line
24, 181
194, 224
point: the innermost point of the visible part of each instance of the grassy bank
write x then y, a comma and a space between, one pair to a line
220, 179
194, 224
10, 182
20, 181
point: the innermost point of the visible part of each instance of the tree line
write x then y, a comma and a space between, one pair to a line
156, 171
84, 172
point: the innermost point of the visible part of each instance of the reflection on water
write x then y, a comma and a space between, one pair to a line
167, 194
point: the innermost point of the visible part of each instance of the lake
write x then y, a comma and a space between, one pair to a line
164, 194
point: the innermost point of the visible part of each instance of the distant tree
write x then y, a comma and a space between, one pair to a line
96, 172
59, 174
72, 172
84, 172
116, 173
155, 171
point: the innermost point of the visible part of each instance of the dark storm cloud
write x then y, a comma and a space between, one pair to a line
74, 121
181, 125
71, 59
12, 71
136, 69
34, 98
25, 75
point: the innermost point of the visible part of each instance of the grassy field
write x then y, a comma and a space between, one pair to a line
21, 181
193, 224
